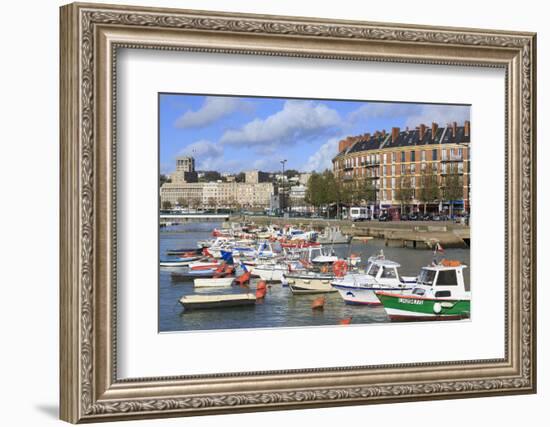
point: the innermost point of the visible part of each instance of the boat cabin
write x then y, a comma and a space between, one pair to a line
441, 281
383, 271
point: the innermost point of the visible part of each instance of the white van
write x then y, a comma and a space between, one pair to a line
359, 214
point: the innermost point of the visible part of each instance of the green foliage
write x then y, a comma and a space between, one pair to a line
428, 190
453, 186
211, 176
166, 205
404, 191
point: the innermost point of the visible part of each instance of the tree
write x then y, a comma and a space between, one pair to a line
290, 173
453, 186
212, 202
164, 179
240, 177
404, 191
364, 190
428, 191
181, 201
211, 176
167, 205
315, 191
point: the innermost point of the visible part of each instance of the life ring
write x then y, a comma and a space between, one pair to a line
340, 268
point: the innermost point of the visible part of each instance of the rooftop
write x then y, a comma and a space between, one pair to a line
422, 135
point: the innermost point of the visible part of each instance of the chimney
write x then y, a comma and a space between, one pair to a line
467, 128
422, 131
454, 129
434, 130
394, 134
383, 132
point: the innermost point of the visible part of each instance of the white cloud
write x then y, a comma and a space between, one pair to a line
414, 114
322, 158
207, 154
298, 121
440, 114
213, 108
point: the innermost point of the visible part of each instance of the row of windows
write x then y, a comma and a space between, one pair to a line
446, 154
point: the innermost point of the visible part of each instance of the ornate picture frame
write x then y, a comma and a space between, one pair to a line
90, 37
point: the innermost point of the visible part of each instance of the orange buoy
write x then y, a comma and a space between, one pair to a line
261, 285
260, 293
345, 321
318, 303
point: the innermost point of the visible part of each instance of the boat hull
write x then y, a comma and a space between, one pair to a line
269, 275
309, 285
359, 296
196, 302
190, 275
408, 307
223, 282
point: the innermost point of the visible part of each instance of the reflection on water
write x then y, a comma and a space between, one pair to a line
280, 308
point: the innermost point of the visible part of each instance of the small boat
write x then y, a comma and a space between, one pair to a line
380, 274
195, 302
309, 282
333, 236
186, 276
439, 294
195, 251
181, 262
203, 265
270, 272
216, 282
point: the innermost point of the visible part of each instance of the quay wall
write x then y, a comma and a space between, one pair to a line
415, 234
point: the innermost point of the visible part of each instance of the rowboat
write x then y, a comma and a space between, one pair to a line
439, 294
186, 276
222, 282
183, 251
309, 282
195, 302
181, 262
380, 274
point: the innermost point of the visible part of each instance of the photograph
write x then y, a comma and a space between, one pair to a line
290, 212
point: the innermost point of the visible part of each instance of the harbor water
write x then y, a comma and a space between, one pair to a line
280, 308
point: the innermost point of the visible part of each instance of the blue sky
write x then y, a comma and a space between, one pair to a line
233, 134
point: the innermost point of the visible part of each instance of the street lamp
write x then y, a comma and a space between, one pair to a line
282, 185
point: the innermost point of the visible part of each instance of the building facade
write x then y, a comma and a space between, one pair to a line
250, 194
393, 161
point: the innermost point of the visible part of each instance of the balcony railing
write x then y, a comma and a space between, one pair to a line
370, 164
452, 158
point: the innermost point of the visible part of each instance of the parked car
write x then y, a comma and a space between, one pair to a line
413, 216
384, 217
427, 217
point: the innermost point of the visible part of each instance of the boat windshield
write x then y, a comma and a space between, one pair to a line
426, 277
367, 268
374, 270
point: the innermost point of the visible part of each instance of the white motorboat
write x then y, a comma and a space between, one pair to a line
223, 282
333, 236
380, 274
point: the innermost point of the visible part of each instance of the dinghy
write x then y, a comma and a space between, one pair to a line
195, 302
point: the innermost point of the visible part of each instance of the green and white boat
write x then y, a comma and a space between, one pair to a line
439, 294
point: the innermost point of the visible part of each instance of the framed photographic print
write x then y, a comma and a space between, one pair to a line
265, 212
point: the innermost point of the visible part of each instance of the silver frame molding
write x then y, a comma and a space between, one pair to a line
90, 37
